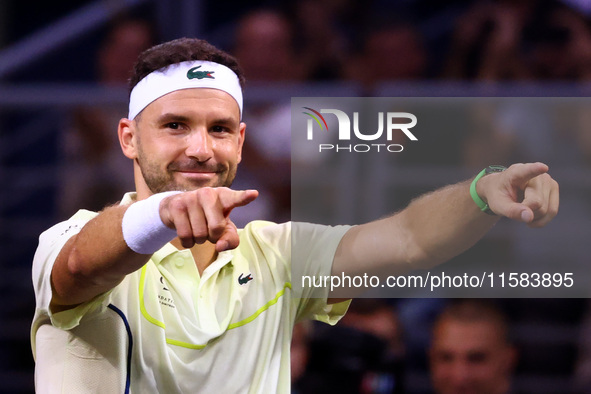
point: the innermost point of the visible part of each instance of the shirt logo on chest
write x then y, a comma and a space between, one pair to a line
245, 280
163, 285
165, 300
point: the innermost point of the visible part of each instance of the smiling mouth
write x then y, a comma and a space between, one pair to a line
197, 174
195, 167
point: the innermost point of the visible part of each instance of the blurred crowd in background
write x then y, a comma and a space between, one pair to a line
381, 346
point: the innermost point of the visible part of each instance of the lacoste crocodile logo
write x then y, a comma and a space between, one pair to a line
245, 280
193, 73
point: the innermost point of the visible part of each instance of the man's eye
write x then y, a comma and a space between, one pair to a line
173, 125
218, 129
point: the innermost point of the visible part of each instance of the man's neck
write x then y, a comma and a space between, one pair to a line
203, 254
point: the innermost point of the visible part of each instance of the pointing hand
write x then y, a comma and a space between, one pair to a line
203, 215
523, 192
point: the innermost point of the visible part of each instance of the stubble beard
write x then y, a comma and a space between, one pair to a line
159, 180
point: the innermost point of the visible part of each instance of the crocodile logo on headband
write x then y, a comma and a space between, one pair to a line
193, 73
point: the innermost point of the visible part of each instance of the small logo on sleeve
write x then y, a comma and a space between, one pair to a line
245, 280
72, 227
195, 73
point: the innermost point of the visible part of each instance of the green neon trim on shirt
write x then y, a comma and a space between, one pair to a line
185, 344
142, 306
230, 327
261, 309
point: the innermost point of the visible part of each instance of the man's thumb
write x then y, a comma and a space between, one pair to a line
518, 212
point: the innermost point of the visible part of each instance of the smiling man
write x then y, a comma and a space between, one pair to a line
163, 294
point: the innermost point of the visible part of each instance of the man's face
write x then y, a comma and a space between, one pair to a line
188, 139
470, 357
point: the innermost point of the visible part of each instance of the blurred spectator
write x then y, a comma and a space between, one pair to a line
376, 317
560, 46
487, 41
321, 37
417, 316
362, 354
126, 39
525, 40
305, 43
470, 350
93, 168
265, 47
390, 52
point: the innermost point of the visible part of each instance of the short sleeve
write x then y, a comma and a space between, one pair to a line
51, 243
313, 248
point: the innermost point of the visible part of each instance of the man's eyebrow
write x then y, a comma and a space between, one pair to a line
172, 117
229, 121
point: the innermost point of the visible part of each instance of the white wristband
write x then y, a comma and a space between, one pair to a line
143, 230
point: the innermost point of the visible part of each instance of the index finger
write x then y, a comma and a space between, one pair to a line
523, 173
231, 199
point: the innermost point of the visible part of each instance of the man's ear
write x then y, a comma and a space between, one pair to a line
242, 129
127, 137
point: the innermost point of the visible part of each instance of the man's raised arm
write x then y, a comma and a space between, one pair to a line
442, 224
100, 256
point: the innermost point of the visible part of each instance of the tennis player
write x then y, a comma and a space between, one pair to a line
163, 294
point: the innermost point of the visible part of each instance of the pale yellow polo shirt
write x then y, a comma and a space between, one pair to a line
166, 329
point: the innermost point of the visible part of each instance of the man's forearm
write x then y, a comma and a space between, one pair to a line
120, 240
432, 229
442, 224
94, 261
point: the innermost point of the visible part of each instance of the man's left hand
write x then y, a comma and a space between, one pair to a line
523, 192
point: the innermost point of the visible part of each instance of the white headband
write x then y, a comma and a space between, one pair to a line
185, 75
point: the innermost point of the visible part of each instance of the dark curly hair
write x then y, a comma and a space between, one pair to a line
177, 51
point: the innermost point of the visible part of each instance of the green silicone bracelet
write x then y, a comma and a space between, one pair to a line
481, 204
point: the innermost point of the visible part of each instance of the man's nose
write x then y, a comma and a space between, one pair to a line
461, 373
199, 145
